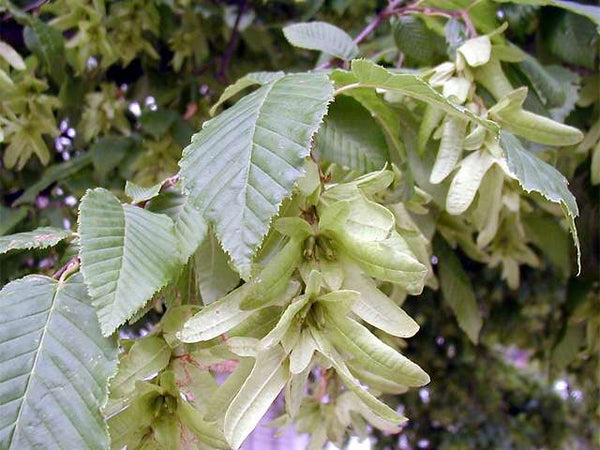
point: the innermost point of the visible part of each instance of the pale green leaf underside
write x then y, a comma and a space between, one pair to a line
535, 175
54, 366
39, 238
265, 382
127, 254
245, 161
323, 37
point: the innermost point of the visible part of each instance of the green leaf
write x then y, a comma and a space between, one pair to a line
258, 324
295, 389
214, 276
127, 254
42, 237
351, 138
57, 172
374, 307
10, 218
54, 366
11, 56
457, 290
251, 79
417, 41
245, 161
535, 175
323, 37
551, 238
158, 122
190, 227
589, 11
139, 194
47, 43
371, 101
145, 359
572, 38
549, 88
108, 151
259, 391
369, 74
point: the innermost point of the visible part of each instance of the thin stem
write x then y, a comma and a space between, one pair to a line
372, 26
71, 266
232, 42
346, 88
35, 5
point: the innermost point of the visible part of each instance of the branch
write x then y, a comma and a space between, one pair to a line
31, 7
383, 15
393, 10
222, 74
71, 266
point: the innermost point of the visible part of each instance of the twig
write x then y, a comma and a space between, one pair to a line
372, 26
170, 182
31, 7
456, 14
391, 10
71, 266
232, 42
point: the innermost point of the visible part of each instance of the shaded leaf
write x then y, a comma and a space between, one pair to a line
351, 138
214, 276
457, 290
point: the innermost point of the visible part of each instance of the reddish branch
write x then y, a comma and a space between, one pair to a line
70, 266
393, 10
222, 75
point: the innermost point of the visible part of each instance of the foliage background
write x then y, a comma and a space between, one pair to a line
118, 90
